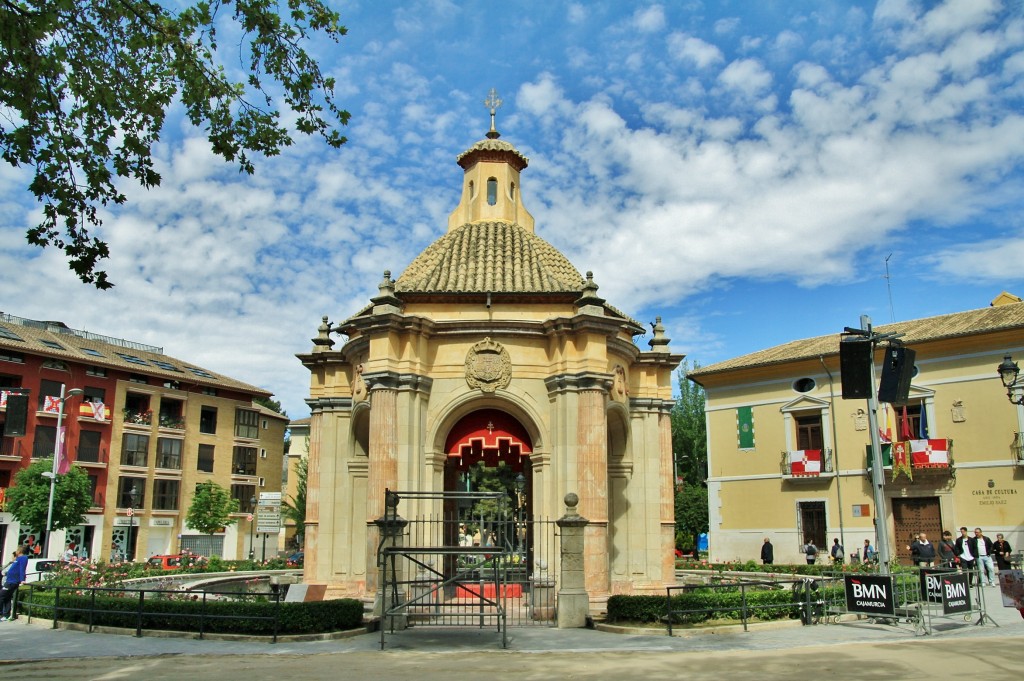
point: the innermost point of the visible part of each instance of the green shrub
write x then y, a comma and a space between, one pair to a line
188, 613
700, 605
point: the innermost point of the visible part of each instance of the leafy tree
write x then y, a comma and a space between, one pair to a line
294, 509
272, 405
691, 514
690, 449
689, 430
86, 84
211, 508
29, 498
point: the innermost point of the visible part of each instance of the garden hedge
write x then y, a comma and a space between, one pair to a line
186, 614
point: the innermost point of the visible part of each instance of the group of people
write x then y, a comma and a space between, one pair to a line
969, 553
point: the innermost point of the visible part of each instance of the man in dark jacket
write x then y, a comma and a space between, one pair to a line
966, 555
767, 552
922, 551
15, 576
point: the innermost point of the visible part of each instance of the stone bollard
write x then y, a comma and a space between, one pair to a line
573, 602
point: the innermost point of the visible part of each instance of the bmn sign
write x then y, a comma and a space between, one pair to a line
870, 595
956, 595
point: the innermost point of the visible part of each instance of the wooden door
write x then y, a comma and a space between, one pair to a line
911, 516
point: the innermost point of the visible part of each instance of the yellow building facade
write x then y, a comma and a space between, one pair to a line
491, 347
787, 456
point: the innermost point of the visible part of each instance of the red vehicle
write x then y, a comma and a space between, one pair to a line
174, 562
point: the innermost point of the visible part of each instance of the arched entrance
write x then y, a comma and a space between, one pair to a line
488, 450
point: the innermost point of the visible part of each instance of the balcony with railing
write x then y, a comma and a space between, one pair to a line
928, 460
807, 465
138, 418
11, 449
91, 457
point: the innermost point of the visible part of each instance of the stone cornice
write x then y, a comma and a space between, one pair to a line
323, 404
392, 380
650, 404
314, 359
668, 359
587, 380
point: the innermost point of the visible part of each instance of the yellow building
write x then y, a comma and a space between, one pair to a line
787, 455
298, 450
147, 428
492, 347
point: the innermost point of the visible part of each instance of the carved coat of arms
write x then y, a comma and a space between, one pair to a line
488, 366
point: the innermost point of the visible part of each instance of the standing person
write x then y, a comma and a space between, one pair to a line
981, 547
922, 552
870, 555
963, 552
810, 552
15, 576
947, 550
838, 552
116, 555
69, 552
767, 552
1001, 550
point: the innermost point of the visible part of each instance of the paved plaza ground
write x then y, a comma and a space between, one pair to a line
860, 650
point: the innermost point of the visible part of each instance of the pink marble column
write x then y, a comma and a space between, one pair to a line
592, 468
668, 503
311, 541
383, 469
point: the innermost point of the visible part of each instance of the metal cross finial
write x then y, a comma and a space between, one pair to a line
492, 102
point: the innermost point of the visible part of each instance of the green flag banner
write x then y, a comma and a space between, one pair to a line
745, 427
886, 455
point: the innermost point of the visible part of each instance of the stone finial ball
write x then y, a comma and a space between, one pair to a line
571, 500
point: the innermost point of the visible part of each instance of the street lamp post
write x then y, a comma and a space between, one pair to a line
1009, 373
58, 447
252, 527
133, 495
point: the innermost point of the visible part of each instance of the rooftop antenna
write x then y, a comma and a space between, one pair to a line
888, 286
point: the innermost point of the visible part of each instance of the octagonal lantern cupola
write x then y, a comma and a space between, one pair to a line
490, 184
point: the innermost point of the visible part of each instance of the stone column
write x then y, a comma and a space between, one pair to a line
573, 601
383, 469
312, 529
592, 470
668, 501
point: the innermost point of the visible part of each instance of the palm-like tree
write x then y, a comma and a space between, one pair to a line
294, 509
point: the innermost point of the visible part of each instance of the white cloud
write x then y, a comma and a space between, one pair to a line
694, 50
649, 19
747, 76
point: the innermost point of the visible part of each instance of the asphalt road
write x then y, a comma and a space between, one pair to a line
992, 659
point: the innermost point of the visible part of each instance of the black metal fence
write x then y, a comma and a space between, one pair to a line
744, 599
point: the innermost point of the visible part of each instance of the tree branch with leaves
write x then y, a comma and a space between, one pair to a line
85, 86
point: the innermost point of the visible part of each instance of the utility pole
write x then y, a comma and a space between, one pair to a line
877, 471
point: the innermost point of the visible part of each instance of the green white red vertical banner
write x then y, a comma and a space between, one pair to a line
745, 427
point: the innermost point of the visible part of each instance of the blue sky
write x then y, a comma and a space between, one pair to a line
742, 169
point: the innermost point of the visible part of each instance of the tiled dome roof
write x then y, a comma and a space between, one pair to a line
493, 257
489, 147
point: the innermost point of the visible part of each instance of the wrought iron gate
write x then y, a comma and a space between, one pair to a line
453, 570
